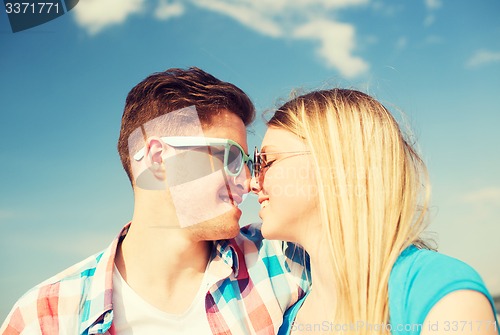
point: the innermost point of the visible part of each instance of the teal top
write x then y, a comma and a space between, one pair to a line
418, 280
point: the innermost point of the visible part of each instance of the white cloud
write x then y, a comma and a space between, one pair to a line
433, 39
483, 196
483, 204
401, 43
299, 19
385, 9
247, 13
327, 3
433, 4
95, 15
337, 42
166, 10
429, 20
482, 57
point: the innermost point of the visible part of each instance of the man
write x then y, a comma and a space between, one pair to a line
181, 266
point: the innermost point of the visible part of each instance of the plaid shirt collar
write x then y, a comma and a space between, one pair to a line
98, 316
251, 288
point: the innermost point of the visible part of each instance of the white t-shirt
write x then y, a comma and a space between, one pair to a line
134, 316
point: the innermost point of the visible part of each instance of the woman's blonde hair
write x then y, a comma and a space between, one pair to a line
370, 183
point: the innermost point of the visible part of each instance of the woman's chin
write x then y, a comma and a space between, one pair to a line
271, 232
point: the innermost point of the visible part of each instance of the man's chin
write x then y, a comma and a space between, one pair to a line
223, 227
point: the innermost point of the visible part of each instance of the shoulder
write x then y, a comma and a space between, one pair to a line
43, 302
421, 269
420, 278
419, 266
462, 312
82, 269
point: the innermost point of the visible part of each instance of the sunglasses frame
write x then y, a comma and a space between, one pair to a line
192, 141
257, 161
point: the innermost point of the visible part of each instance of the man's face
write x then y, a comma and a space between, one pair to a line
206, 202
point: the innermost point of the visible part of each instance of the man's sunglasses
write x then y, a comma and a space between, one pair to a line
224, 153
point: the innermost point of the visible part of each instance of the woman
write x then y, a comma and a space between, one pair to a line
336, 176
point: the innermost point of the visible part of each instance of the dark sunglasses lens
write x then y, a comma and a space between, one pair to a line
256, 163
234, 159
250, 167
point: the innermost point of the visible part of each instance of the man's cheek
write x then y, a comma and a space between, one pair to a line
201, 199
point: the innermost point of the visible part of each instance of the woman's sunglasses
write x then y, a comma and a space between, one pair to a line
261, 165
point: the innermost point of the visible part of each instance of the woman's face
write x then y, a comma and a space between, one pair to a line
286, 186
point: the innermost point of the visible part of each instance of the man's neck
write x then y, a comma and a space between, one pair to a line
162, 264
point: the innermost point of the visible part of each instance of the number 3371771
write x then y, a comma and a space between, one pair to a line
32, 8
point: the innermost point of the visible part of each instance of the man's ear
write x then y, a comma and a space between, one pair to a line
156, 151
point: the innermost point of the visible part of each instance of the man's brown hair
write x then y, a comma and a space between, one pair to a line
173, 89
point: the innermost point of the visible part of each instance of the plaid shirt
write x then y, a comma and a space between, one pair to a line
255, 288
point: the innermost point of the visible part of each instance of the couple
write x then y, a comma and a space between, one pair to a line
334, 175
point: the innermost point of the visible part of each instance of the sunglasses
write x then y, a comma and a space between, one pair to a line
261, 165
224, 153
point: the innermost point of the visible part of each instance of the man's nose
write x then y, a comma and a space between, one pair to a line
244, 179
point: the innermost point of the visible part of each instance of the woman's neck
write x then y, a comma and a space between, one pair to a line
320, 304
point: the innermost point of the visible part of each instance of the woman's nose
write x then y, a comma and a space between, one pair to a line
254, 185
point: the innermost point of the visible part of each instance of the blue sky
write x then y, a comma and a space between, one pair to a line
63, 194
